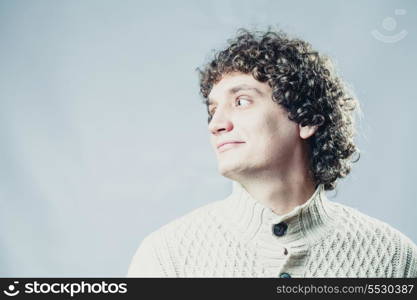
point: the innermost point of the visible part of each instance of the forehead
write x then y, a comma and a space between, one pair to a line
235, 82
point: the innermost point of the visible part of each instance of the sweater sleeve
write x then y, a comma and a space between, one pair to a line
145, 262
411, 260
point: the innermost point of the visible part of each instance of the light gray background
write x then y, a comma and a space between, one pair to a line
104, 137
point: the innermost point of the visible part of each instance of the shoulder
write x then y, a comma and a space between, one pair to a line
356, 220
378, 237
187, 226
157, 253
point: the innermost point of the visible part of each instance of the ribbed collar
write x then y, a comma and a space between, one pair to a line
253, 223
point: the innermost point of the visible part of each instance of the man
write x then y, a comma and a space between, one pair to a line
281, 125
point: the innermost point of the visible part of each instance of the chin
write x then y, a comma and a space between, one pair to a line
229, 169
225, 171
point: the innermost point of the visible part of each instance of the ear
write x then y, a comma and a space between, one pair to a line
307, 131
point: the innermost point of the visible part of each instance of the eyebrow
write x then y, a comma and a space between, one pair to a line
236, 89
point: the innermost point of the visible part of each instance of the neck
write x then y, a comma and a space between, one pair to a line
281, 189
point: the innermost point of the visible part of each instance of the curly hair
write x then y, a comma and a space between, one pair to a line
305, 83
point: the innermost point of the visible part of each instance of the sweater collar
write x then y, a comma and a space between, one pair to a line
254, 221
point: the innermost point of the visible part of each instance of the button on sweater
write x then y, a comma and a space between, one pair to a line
241, 237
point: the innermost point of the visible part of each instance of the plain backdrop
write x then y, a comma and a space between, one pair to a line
104, 135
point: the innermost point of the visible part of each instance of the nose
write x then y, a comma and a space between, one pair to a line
220, 123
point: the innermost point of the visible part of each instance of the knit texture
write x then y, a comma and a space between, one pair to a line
234, 237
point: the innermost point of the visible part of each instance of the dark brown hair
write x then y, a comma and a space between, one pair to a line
305, 83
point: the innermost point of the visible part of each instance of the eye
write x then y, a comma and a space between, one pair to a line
240, 99
213, 109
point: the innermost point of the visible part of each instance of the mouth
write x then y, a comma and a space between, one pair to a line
227, 146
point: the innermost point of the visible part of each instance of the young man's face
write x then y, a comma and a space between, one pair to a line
244, 112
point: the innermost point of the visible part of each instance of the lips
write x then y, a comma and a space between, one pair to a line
228, 142
227, 145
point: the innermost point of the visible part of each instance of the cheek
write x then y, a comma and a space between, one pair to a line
278, 137
268, 132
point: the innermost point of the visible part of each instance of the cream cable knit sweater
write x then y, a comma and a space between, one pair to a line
240, 237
